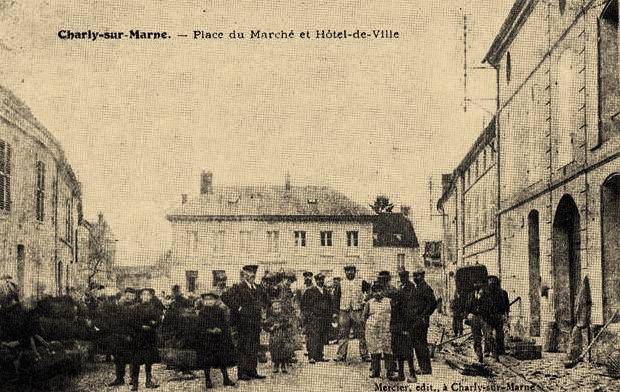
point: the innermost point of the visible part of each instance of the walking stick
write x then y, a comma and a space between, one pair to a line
572, 364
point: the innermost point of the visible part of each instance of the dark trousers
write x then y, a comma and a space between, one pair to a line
135, 372
457, 324
119, 366
480, 328
494, 338
420, 346
249, 342
317, 335
222, 369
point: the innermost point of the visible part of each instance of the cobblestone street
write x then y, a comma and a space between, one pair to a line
547, 374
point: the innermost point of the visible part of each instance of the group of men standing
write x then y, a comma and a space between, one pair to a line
411, 305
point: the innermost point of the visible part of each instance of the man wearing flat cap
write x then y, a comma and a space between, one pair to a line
245, 301
424, 304
349, 298
317, 303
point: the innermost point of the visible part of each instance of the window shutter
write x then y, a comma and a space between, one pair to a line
7, 185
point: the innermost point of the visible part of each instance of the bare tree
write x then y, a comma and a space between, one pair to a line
100, 252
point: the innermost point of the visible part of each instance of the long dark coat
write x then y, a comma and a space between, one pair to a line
114, 322
215, 349
143, 345
423, 304
402, 321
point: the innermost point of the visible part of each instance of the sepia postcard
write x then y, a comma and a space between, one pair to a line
310, 195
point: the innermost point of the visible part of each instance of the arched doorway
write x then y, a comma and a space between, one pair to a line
534, 271
566, 265
610, 241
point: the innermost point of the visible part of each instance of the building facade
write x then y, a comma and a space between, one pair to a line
276, 227
468, 208
40, 204
559, 165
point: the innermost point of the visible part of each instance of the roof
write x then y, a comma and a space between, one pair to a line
394, 230
516, 17
270, 202
482, 140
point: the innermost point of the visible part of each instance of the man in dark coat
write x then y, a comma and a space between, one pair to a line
479, 308
401, 323
245, 301
115, 323
500, 307
424, 304
317, 303
143, 345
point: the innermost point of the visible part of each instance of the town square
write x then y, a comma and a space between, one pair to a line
309, 195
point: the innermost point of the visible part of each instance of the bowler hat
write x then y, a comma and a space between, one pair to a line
307, 274
403, 273
384, 274
350, 267
130, 290
319, 276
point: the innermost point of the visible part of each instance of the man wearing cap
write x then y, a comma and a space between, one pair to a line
424, 304
245, 302
401, 328
349, 298
317, 303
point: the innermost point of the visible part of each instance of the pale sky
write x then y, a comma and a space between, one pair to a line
139, 120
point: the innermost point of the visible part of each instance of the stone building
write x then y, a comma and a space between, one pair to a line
468, 209
40, 203
559, 166
279, 228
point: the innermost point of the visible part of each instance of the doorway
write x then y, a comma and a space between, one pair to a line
534, 271
566, 265
610, 237
21, 270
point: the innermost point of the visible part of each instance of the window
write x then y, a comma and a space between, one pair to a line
508, 67
192, 241
608, 72
477, 172
400, 261
190, 280
273, 241
562, 5
567, 98
300, 239
244, 241
219, 243
69, 220
40, 196
352, 237
326, 238
5, 176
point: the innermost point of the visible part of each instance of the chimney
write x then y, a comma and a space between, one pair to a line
184, 198
206, 183
287, 181
405, 210
100, 216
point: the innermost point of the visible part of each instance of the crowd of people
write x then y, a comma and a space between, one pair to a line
224, 326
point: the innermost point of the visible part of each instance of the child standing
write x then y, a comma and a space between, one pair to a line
280, 327
377, 313
216, 346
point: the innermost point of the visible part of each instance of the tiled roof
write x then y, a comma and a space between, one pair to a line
269, 201
394, 230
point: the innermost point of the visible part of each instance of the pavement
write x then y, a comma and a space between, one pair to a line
509, 374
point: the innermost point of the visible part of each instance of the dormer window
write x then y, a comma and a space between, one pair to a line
313, 201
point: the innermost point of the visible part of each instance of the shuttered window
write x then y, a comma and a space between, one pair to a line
40, 192
5, 176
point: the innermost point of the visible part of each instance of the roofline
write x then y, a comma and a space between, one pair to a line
274, 218
487, 134
519, 12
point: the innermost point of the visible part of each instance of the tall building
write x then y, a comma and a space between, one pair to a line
559, 161
285, 227
40, 203
468, 208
